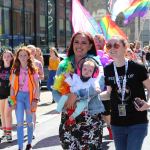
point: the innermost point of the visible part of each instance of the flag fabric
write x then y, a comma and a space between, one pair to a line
137, 8
82, 20
110, 29
110, 4
119, 6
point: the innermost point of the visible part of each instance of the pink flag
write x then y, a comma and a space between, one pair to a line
82, 20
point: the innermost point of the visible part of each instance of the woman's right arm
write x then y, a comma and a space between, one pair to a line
105, 95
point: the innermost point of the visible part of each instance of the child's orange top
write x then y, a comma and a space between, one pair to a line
53, 64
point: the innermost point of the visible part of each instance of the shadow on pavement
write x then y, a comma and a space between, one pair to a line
6, 145
47, 142
51, 112
44, 104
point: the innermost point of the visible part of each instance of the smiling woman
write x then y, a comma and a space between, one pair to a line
5, 111
24, 93
125, 82
86, 133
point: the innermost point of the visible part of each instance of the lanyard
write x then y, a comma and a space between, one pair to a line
121, 90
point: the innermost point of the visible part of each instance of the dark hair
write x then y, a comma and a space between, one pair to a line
92, 51
1, 59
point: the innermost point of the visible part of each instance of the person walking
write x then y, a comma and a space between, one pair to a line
54, 61
100, 42
39, 55
126, 81
24, 93
40, 69
86, 133
5, 110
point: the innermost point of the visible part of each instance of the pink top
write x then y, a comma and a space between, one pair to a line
23, 79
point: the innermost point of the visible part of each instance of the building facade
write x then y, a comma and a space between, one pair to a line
47, 23
44, 23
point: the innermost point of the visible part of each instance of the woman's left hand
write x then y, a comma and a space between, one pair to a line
145, 106
34, 105
70, 103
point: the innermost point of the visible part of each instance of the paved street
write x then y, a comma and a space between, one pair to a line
47, 129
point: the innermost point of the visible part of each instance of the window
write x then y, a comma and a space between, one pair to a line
5, 23
41, 23
18, 22
29, 21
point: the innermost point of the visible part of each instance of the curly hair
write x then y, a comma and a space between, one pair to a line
30, 64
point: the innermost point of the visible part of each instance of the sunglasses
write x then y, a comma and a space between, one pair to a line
110, 46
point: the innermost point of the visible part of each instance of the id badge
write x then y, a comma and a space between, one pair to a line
122, 109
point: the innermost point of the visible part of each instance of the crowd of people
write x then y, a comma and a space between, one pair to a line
94, 84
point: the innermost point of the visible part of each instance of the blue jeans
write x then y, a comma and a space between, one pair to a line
129, 137
50, 80
23, 104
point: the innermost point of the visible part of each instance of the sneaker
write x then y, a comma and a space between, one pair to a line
3, 138
53, 101
33, 137
29, 147
9, 138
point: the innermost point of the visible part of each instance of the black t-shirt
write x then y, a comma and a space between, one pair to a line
4, 82
148, 56
136, 73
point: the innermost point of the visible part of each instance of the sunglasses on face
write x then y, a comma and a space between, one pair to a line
110, 46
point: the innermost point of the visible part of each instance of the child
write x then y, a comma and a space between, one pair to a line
81, 86
6, 116
24, 93
54, 61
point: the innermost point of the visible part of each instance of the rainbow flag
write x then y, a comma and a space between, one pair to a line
137, 8
82, 20
119, 6
110, 29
